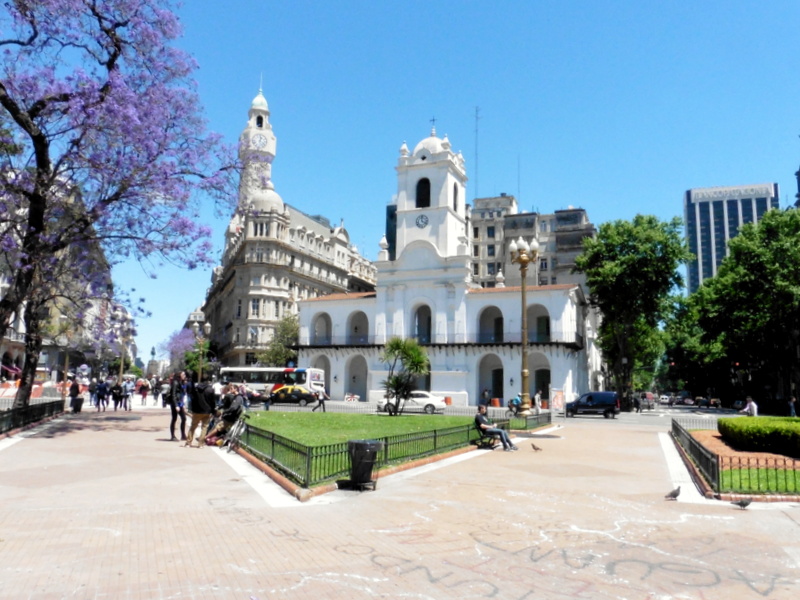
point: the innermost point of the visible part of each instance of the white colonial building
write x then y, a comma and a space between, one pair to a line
425, 290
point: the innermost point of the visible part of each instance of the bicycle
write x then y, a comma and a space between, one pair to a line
513, 411
234, 434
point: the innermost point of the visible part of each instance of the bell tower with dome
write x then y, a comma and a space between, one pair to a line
431, 198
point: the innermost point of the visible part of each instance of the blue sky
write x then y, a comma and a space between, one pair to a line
614, 106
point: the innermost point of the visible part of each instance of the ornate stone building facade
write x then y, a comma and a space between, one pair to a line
275, 255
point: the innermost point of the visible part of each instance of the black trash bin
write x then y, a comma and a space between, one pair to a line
363, 455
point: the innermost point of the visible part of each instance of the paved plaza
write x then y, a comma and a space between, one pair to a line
102, 506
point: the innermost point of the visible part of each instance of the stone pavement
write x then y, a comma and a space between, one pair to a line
102, 506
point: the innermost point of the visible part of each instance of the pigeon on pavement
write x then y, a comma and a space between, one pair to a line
743, 503
535, 447
673, 495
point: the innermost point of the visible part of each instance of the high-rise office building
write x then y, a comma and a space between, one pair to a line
714, 215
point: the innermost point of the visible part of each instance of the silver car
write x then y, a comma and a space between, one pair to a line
419, 401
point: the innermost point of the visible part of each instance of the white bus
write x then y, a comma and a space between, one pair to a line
268, 380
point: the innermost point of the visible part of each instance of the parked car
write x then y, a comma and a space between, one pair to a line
595, 403
708, 402
294, 393
419, 401
738, 404
663, 399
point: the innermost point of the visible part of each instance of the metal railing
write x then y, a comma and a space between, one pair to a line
571, 338
705, 460
20, 417
773, 474
311, 465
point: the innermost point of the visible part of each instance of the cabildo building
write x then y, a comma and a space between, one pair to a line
425, 290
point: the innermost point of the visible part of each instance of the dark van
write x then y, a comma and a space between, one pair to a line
595, 403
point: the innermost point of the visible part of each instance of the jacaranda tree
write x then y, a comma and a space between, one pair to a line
102, 143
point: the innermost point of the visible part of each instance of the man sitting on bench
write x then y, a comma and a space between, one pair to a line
483, 423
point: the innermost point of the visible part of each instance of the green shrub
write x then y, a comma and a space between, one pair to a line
778, 435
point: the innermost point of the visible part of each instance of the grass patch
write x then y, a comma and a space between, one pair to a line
760, 481
320, 429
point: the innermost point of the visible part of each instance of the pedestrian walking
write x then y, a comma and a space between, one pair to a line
202, 407
116, 393
179, 397
128, 390
74, 396
102, 395
218, 387
144, 388
322, 396
792, 402
93, 391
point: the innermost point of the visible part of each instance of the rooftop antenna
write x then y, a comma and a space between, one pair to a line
261, 81
477, 118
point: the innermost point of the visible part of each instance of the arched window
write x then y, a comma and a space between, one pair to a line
455, 197
423, 193
259, 122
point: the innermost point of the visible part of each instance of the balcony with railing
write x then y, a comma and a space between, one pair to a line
572, 339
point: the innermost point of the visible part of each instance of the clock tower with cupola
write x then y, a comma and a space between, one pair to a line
257, 147
431, 198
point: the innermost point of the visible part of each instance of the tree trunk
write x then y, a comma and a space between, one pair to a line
33, 347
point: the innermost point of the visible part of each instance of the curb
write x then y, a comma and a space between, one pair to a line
304, 494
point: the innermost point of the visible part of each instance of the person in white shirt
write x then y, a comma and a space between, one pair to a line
217, 391
751, 408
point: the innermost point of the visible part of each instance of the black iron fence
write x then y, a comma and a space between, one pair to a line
746, 474
20, 417
311, 465
705, 460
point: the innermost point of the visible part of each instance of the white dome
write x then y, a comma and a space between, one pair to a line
266, 199
259, 102
430, 145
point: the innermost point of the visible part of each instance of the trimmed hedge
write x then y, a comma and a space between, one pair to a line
778, 435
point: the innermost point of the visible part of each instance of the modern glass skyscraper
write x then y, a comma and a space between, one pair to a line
714, 215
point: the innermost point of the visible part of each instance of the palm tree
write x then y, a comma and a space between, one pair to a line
407, 360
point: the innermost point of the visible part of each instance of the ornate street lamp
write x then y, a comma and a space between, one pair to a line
201, 340
524, 254
123, 333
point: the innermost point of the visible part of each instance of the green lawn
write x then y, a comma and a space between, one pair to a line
319, 429
759, 481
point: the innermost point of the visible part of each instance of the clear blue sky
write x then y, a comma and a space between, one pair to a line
614, 106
